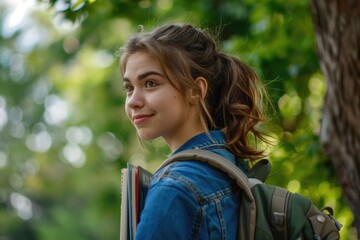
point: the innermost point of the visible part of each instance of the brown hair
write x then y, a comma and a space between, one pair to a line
233, 101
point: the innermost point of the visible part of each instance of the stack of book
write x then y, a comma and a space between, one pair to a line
135, 182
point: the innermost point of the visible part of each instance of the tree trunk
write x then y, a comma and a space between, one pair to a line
337, 28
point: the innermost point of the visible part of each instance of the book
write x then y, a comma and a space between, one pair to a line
135, 182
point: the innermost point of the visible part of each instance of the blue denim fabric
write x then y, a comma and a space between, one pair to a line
191, 199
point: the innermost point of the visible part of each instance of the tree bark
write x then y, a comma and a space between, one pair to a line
337, 28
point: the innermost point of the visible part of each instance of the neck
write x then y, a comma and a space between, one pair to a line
178, 142
189, 128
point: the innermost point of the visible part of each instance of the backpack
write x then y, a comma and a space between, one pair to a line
266, 211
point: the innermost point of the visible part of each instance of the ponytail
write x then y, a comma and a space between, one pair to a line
237, 106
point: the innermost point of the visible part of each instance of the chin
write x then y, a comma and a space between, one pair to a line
147, 137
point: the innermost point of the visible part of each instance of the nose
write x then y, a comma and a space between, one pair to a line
135, 100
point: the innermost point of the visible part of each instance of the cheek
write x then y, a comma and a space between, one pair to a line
127, 111
176, 105
171, 102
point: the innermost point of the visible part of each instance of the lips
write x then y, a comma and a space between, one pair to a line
139, 119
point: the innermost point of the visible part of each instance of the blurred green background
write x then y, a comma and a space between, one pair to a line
64, 135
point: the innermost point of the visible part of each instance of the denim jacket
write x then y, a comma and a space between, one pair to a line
191, 199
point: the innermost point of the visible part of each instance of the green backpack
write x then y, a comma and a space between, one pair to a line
266, 211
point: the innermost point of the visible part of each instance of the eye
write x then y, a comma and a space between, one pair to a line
150, 83
128, 88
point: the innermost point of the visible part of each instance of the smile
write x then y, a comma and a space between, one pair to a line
140, 119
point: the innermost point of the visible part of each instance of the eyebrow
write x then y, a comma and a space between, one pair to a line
144, 75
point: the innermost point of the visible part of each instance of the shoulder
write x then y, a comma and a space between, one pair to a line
194, 174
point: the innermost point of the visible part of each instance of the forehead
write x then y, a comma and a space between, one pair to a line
139, 63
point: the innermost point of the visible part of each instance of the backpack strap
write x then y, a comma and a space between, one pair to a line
279, 211
234, 172
216, 161
260, 170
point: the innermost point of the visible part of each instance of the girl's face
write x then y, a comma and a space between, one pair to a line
154, 106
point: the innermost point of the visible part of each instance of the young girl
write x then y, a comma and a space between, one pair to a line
180, 87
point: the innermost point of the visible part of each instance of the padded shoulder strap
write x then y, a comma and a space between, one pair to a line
217, 161
231, 169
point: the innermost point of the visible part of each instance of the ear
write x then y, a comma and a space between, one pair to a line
203, 85
196, 94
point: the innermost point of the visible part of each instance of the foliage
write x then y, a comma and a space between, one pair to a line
64, 134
